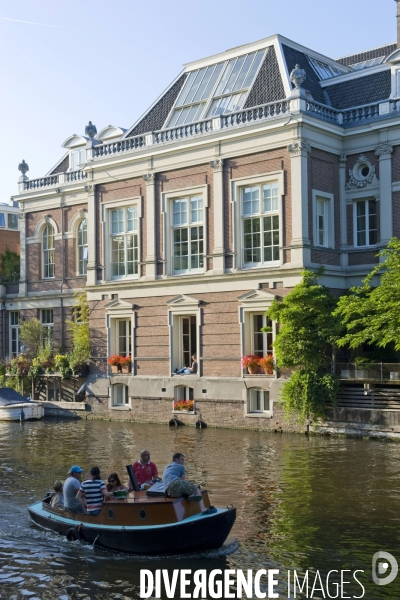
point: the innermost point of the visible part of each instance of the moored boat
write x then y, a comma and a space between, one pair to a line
14, 407
143, 524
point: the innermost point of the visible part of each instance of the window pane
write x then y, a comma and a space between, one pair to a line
242, 75
235, 72
258, 335
361, 223
186, 88
2, 220
182, 116
196, 84
271, 238
212, 81
12, 221
270, 196
225, 77
203, 84
253, 69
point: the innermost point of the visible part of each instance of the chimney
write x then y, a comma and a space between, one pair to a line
398, 23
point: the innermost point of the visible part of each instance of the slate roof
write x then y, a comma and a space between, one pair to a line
353, 59
155, 118
62, 166
295, 57
359, 91
10, 396
268, 86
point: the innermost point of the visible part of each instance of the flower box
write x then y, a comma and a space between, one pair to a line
115, 369
126, 368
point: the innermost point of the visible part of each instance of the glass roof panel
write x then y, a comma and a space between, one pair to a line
253, 69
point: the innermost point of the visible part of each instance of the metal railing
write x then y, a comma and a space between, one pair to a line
368, 372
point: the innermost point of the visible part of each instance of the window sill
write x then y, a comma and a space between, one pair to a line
247, 375
183, 412
251, 266
260, 415
117, 407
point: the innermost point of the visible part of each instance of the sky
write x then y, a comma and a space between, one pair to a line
65, 62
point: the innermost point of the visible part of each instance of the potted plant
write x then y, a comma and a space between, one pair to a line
362, 365
126, 362
77, 362
115, 363
186, 405
252, 363
61, 363
267, 363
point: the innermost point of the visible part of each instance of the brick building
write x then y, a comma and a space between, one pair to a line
254, 164
9, 240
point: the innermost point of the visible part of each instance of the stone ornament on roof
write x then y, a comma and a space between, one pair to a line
23, 167
297, 76
362, 174
90, 130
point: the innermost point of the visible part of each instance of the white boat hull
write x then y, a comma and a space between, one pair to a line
21, 412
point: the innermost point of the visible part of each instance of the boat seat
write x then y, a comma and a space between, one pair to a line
157, 490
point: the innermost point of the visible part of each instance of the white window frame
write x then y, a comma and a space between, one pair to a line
107, 207
14, 329
266, 348
237, 185
183, 392
329, 228
187, 225
46, 253
253, 395
167, 212
116, 311
367, 231
82, 156
45, 313
182, 306
125, 398
10, 214
85, 249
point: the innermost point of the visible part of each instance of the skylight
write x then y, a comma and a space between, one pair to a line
367, 63
216, 90
323, 70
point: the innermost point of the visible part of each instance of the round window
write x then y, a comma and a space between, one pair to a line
363, 171
111, 513
142, 515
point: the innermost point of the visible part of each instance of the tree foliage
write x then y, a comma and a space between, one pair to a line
10, 265
372, 314
33, 334
80, 332
307, 332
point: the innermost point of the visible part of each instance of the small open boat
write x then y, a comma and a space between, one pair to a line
14, 407
148, 523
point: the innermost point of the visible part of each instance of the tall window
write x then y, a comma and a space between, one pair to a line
48, 251
322, 205
260, 218
46, 317
123, 332
124, 242
188, 234
82, 247
258, 401
261, 341
14, 333
366, 231
12, 221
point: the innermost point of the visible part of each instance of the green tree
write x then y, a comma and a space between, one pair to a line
10, 266
371, 314
80, 332
33, 334
307, 334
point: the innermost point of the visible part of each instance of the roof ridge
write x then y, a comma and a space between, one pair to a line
368, 50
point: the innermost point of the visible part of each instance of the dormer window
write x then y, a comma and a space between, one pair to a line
78, 159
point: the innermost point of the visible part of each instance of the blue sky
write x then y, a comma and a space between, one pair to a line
107, 62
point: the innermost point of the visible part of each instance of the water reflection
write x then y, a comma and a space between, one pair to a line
303, 503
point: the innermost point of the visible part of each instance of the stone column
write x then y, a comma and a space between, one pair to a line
343, 210
384, 151
298, 151
22, 252
151, 258
92, 233
217, 166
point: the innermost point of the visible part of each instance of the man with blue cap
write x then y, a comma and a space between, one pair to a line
71, 488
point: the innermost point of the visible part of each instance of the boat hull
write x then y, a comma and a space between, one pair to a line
21, 412
197, 533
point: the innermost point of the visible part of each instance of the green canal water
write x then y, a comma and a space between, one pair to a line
303, 503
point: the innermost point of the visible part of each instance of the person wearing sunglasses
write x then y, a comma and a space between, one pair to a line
114, 483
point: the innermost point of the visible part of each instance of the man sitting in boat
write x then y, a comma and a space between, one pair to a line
145, 470
71, 487
92, 493
57, 499
175, 483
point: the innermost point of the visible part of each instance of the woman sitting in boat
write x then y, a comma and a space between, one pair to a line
175, 483
57, 499
114, 484
94, 491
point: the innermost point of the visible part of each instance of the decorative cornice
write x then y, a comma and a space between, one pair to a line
217, 165
299, 148
150, 178
357, 177
383, 149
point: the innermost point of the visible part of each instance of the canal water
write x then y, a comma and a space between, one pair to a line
310, 504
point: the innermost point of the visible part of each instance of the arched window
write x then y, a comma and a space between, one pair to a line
48, 251
82, 247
